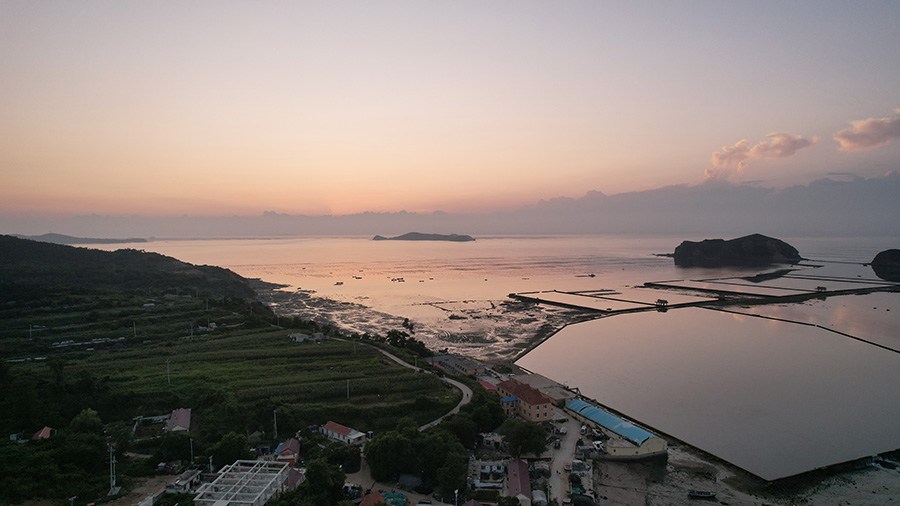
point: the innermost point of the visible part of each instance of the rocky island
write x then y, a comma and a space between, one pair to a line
886, 265
751, 250
418, 236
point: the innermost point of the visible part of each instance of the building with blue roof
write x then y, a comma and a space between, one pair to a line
645, 443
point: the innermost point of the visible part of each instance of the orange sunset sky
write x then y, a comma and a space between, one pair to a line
220, 108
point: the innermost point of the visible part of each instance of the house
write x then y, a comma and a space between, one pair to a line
338, 432
179, 420
288, 451
44, 433
518, 484
455, 364
318, 337
529, 403
490, 387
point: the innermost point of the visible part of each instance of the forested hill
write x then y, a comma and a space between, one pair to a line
26, 263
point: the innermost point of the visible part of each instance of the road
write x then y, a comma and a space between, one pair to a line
364, 477
466, 391
559, 485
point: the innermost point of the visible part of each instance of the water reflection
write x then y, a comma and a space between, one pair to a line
772, 397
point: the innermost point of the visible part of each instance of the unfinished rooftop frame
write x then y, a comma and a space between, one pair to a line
245, 483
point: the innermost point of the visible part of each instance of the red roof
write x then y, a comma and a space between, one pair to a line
487, 386
179, 418
517, 481
525, 393
337, 428
291, 447
43, 433
372, 498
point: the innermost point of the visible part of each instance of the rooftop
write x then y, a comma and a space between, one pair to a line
625, 429
244, 483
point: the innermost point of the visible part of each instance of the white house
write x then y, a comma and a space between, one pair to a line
338, 432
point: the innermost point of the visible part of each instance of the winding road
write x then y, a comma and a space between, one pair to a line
466, 391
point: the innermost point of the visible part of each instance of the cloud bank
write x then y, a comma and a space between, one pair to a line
735, 158
869, 133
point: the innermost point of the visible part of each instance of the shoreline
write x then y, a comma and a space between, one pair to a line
687, 464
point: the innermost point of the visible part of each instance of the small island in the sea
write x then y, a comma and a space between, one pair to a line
750, 250
418, 236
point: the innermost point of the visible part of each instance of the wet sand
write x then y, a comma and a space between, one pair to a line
494, 331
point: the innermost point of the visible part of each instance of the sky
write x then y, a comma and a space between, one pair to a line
234, 108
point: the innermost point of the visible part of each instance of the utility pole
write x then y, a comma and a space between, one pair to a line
192, 451
168, 376
113, 490
348, 389
275, 423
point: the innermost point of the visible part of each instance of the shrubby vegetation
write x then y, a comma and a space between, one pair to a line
437, 456
73, 462
136, 351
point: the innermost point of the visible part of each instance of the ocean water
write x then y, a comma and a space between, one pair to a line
774, 397
358, 269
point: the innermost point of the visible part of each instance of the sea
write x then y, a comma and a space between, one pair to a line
775, 389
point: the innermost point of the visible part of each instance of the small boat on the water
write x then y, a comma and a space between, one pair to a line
701, 494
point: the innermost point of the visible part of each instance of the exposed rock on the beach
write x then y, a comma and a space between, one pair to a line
887, 265
418, 236
751, 250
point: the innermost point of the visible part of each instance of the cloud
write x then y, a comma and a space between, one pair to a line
781, 146
735, 158
869, 133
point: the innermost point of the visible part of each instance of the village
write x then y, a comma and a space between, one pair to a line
574, 434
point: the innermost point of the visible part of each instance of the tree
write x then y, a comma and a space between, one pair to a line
433, 449
174, 446
463, 427
485, 410
452, 475
324, 483
343, 455
388, 455
508, 501
86, 422
231, 447
522, 436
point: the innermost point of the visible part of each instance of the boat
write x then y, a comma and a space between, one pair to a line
701, 494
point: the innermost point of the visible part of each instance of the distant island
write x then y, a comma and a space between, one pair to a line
418, 236
751, 250
68, 239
